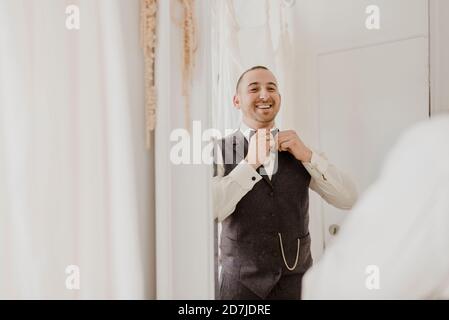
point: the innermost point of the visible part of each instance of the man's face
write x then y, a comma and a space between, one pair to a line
258, 98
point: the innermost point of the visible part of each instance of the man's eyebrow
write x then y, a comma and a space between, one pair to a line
257, 83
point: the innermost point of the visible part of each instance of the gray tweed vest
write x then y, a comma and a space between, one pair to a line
272, 211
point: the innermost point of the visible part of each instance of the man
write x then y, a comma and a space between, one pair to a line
261, 196
395, 243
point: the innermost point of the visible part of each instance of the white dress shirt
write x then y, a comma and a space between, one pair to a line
330, 183
395, 242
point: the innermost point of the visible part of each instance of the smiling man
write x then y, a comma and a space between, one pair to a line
261, 187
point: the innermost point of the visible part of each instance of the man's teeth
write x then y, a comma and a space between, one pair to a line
264, 106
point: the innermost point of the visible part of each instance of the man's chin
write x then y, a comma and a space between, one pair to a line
265, 120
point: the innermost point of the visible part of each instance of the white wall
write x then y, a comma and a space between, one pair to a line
439, 49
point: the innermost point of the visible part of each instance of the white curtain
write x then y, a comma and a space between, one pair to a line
74, 173
184, 217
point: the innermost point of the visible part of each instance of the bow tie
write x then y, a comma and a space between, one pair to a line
252, 132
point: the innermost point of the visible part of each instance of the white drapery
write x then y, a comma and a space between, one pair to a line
74, 173
184, 218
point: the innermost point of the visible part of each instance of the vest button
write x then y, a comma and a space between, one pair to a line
253, 178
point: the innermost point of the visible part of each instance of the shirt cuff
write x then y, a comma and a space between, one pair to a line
318, 164
245, 175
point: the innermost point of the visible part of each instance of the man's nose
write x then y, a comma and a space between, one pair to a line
263, 94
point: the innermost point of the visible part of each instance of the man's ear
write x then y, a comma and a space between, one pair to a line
236, 101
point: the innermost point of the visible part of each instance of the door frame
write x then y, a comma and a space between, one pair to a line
438, 66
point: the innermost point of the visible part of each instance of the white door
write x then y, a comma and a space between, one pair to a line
361, 87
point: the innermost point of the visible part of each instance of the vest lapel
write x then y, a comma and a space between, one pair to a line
240, 146
261, 171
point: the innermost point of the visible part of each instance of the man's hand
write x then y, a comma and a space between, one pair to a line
289, 141
259, 148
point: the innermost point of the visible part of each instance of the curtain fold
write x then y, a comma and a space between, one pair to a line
75, 177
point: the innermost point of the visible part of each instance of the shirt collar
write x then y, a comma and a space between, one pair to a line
246, 130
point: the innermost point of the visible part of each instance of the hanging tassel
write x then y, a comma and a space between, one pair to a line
190, 46
148, 23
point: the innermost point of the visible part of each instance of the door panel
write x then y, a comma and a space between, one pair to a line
367, 98
340, 24
356, 89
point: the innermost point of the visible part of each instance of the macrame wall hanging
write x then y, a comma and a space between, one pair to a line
187, 25
148, 20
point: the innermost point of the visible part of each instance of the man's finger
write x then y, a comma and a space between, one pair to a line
282, 139
286, 145
285, 136
286, 139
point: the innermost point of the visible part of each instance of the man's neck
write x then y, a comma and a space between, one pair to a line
268, 126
